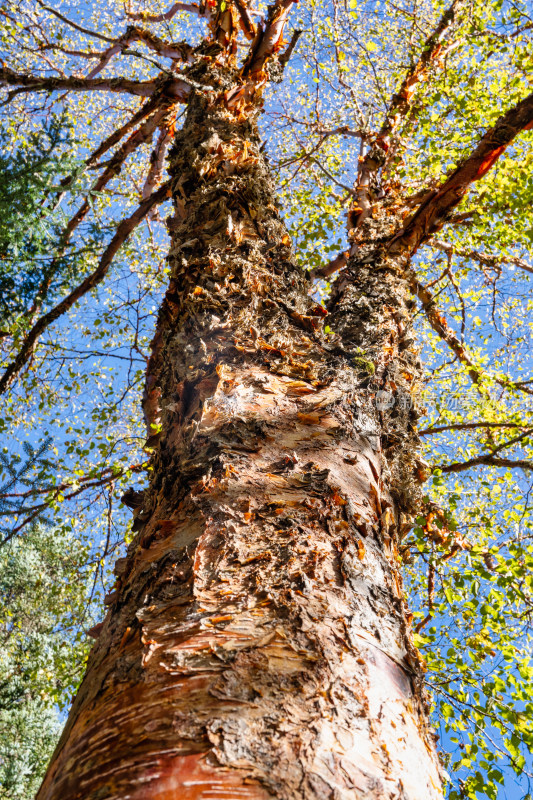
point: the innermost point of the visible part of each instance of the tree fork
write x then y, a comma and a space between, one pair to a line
258, 644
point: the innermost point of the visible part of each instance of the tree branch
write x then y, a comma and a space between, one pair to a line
463, 426
247, 24
491, 459
141, 135
271, 38
88, 481
111, 140
193, 8
440, 326
267, 43
285, 56
119, 133
380, 153
433, 50
157, 158
328, 174
433, 211
488, 461
75, 25
180, 51
124, 229
334, 265
34, 83
485, 259
107, 476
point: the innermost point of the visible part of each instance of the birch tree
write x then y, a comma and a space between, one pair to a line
258, 641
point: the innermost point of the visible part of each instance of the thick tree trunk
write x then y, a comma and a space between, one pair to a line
258, 644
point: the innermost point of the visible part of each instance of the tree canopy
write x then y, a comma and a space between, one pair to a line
367, 101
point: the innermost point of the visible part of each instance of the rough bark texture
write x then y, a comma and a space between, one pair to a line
258, 644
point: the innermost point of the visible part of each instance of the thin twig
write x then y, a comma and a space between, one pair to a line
193, 8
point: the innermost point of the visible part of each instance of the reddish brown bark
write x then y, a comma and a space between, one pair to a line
24, 82
258, 644
382, 146
436, 207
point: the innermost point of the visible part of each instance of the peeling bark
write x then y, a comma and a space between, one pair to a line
258, 644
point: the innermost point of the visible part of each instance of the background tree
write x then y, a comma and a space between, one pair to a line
399, 203
42, 601
29, 178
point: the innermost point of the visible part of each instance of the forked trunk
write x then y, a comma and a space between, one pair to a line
258, 644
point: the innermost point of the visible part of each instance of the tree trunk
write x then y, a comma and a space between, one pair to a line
258, 644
